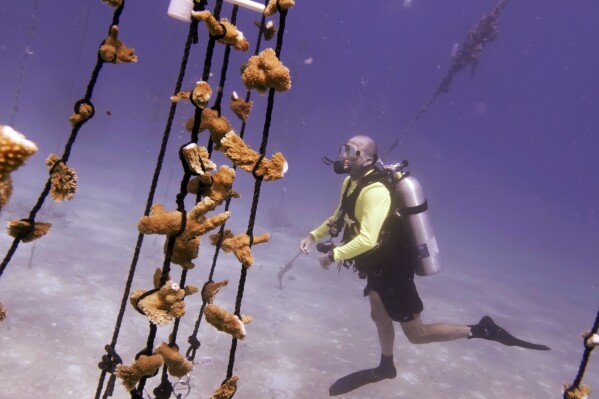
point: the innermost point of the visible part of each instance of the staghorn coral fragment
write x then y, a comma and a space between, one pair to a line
15, 149
2, 312
163, 305
22, 229
227, 389
274, 5
219, 186
145, 366
224, 321
176, 364
199, 96
159, 221
240, 108
239, 245
244, 157
83, 112
197, 159
63, 179
581, 392
265, 71
224, 31
113, 50
157, 276
5, 189
211, 289
269, 29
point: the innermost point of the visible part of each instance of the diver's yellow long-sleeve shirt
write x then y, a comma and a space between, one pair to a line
372, 207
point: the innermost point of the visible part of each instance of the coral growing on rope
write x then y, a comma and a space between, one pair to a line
240, 108
265, 71
114, 50
274, 5
63, 179
15, 149
224, 31
144, 366
22, 229
163, 305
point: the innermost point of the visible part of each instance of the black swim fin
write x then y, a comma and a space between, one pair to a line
487, 329
363, 377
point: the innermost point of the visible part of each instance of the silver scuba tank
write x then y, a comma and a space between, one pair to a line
413, 207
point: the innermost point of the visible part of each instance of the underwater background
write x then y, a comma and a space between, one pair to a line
507, 159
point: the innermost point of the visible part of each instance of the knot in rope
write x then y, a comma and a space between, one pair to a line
164, 390
110, 360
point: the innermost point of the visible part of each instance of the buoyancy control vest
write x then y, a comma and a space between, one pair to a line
406, 240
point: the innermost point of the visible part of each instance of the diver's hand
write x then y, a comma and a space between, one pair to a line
326, 260
305, 243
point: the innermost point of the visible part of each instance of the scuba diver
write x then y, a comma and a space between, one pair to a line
375, 242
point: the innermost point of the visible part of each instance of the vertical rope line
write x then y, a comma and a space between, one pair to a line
191, 38
585, 359
256, 197
192, 339
183, 190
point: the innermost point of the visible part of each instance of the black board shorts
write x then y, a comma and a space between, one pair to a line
398, 294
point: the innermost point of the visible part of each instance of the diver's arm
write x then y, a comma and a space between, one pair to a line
372, 206
323, 230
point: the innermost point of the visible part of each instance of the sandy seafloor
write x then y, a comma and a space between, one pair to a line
62, 308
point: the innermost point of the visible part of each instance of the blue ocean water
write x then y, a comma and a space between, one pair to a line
507, 159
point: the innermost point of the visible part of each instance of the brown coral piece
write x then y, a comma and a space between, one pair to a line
224, 321
227, 389
158, 276
211, 289
14, 150
187, 244
114, 50
218, 187
83, 112
218, 126
197, 159
113, 3
145, 366
2, 312
22, 229
244, 157
63, 179
268, 29
160, 221
239, 245
163, 305
199, 96
274, 5
225, 31
240, 108
265, 71
5, 189
581, 392
176, 364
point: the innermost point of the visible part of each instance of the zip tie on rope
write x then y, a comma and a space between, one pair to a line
590, 341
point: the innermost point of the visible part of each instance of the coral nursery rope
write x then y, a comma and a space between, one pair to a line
256, 197
191, 38
67, 150
585, 359
194, 343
